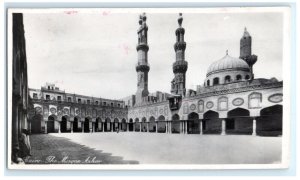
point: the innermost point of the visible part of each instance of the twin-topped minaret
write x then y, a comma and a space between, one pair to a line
245, 51
142, 67
180, 65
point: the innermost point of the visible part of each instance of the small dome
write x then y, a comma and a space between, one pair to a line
227, 63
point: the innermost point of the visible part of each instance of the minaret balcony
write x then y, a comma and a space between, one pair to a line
180, 66
179, 46
142, 46
144, 67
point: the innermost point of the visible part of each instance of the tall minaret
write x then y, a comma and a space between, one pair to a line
142, 67
245, 51
180, 65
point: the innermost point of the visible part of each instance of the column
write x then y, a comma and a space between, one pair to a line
254, 127
94, 127
134, 127
201, 127
82, 127
111, 127
140, 127
147, 130
102, 126
167, 126
156, 126
71, 124
127, 126
59, 127
223, 127
45, 127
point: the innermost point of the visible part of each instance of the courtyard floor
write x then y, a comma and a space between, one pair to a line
153, 148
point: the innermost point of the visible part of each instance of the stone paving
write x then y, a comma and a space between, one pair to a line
159, 148
49, 149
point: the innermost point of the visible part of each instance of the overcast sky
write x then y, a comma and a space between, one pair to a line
95, 53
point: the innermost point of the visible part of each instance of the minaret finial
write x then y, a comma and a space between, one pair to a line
245, 29
227, 52
180, 19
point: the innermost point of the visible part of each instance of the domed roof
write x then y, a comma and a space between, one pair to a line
227, 62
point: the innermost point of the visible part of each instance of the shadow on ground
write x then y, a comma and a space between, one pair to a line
48, 149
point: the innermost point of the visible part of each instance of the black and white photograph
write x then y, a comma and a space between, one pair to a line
148, 88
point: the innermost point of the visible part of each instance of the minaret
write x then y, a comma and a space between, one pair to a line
245, 51
180, 65
142, 67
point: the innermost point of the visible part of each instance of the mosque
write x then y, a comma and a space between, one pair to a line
230, 101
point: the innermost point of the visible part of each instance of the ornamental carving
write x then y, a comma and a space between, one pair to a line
192, 107
66, 111
52, 110
38, 110
238, 101
275, 98
161, 111
209, 105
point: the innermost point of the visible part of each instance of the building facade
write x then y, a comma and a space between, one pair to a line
230, 101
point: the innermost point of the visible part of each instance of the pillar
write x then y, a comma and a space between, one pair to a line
140, 127
71, 124
45, 127
201, 127
147, 130
254, 127
59, 131
111, 127
94, 127
156, 126
223, 127
185, 127
82, 127
167, 125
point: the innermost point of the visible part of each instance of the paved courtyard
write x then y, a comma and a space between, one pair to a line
152, 148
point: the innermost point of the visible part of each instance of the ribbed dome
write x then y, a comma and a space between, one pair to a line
227, 62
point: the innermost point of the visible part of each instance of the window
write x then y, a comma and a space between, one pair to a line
119, 105
238, 77
34, 96
96, 102
58, 98
104, 103
47, 97
216, 81
48, 87
247, 77
111, 104
88, 101
255, 100
223, 104
227, 79
69, 99
207, 83
79, 100
200, 106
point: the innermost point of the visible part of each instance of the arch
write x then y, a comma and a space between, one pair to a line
175, 124
51, 124
98, 124
270, 121
130, 125
227, 79
208, 82
107, 124
123, 125
247, 77
216, 81
144, 124
239, 121
116, 124
211, 123
152, 124
86, 124
65, 124
193, 123
238, 77
77, 124
161, 124
36, 124
137, 125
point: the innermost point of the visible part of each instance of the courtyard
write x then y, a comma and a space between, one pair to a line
152, 148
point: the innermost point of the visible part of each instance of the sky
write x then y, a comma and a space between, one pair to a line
94, 53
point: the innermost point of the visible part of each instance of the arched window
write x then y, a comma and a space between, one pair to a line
207, 83
227, 79
255, 100
200, 106
216, 81
247, 77
238, 77
222, 103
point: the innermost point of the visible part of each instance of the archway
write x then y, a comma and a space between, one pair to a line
152, 124
211, 123
137, 125
51, 124
130, 125
193, 123
76, 126
270, 121
107, 126
86, 125
116, 125
64, 124
239, 122
98, 125
175, 125
36, 124
144, 125
161, 124
124, 125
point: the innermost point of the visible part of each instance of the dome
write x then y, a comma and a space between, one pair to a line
227, 63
